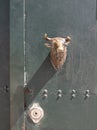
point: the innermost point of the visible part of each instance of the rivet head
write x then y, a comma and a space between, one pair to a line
36, 113
73, 95
59, 95
45, 91
73, 91
59, 91
45, 95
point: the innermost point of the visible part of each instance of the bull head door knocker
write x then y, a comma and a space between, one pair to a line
58, 47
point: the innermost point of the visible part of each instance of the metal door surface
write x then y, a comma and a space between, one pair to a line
71, 92
61, 18
16, 65
4, 66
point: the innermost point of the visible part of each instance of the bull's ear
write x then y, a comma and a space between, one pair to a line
48, 45
67, 40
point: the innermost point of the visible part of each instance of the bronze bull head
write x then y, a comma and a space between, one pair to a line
58, 47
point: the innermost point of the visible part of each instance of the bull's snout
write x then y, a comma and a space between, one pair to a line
60, 49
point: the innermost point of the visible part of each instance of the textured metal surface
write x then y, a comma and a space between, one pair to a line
60, 18
4, 65
16, 65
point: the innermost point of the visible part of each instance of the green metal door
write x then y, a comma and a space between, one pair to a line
75, 83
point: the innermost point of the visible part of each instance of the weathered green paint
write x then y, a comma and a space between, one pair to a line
16, 65
61, 18
57, 18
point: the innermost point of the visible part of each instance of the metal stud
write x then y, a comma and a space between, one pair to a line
59, 94
73, 94
45, 93
87, 94
5, 89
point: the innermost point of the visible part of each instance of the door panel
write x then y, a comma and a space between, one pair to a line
4, 65
61, 18
16, 65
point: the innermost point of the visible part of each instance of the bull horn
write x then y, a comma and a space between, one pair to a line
67, 40
46, 37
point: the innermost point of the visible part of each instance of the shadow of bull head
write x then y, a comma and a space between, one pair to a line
58, 47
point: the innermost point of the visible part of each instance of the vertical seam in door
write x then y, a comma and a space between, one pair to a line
24, 39
24, 42
96, 10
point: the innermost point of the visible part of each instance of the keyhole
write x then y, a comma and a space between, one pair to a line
35, 113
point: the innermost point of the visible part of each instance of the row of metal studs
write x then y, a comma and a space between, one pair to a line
60, 93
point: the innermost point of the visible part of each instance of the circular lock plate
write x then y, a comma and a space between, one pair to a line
36, 113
